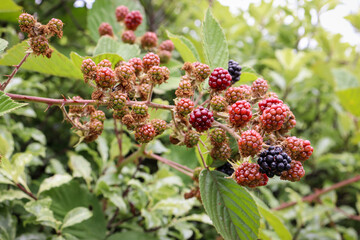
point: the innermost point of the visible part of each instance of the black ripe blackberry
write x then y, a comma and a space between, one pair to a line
273, 161
226, 168
235, 70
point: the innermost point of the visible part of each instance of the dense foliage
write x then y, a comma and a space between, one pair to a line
55, 186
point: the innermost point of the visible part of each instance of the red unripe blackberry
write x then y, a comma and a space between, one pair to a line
191, 139
298, 149
144, 90
88, 67
96, 126
219, 79
159, 126
105, 77
248, 174
271, 95
133, 20
106, 29
137, 64
218, 136
119, 114
56, 27
26, 20
121, 12
128, 37
104, 63
184, 106
165, 56
250, 143
273, 118
149, 40
39, 45
117, 100
150, 60
221, 152
289, 123
99, 115
167, 45
74, 108
234, 94
259, 87
125, 73
240, 113
218, 104
295, 173
158, 75
185, 89
268, 102
201, 119
201, 71
145, 133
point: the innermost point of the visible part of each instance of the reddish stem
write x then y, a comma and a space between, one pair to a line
119, 140
317, 194
175, 165
17, 67
26, 191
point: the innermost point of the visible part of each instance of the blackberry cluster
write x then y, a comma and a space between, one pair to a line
106, 29
235, 70
274, 161
219, 79
250, 175
201, 119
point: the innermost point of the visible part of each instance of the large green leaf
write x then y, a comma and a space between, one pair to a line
350, 99
214, 41
185, 47
12, 194
9, 11
273, 220
81, 167
57, 65
231, 208
71, 195
109, 45
7, 224
344, 79
8, 105
132, 235
104, 11
75, 216
54, 181
112, 57
3, 44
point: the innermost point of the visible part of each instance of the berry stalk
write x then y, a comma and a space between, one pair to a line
17, 67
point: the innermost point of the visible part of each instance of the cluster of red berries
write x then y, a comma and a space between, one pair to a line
39, 34
149, 41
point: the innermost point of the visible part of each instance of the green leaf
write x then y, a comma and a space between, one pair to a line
71, 195
214, 41
57, 65
9, 11
75, 216
104, 11
12, 194
3, 44
114, 147
109, 45
8, 105
7, 224
42, 212
230, 207
349, 98
273, 220
81, 167
185, 47
132, 235
54, 181
344, 79
103, 149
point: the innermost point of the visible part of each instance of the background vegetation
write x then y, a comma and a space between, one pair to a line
320, 82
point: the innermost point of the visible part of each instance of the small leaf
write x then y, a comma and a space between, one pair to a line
42, 212
3, 44
57, 65
8, 105
109, 45
81, 167
12, 194
214, 41
230, 207
112, 57
75, 216
186, 49
54, 181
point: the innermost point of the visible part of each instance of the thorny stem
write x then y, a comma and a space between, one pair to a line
119, 140
17, 67
226, 128
26, 191
202, 157
312, 197
66, 102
